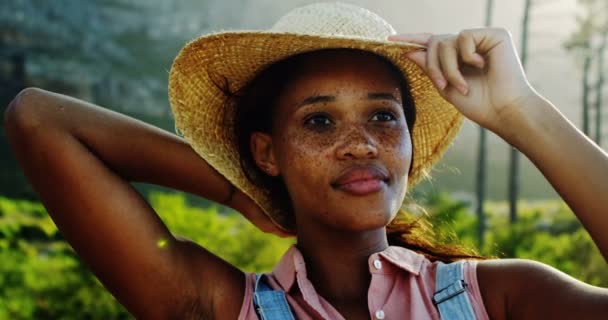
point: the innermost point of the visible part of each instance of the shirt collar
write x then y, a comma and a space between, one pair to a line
292, 263
403, 258
285, 271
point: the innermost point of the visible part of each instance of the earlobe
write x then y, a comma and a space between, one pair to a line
262, 150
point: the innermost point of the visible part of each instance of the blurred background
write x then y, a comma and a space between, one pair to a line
117, 54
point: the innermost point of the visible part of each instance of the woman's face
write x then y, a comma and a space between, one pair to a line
340, 142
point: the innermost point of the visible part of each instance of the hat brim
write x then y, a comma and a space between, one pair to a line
205, 120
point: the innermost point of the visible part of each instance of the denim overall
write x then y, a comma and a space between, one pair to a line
450, 297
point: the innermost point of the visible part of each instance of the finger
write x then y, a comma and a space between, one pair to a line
283, 234
467, 50
487, 39
261, 221
433, 67
418, 38
278, 231
255, 214
418, 57
448, 59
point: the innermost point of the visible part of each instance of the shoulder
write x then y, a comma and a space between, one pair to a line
526, 289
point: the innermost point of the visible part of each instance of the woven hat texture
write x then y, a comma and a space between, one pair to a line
205, 120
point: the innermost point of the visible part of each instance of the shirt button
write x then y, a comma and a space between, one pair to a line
380, 314
377, 264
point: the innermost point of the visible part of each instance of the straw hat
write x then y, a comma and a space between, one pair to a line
205, 120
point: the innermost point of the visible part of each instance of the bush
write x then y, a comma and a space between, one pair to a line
42, 278
546, 231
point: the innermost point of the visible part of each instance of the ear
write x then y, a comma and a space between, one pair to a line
263, 153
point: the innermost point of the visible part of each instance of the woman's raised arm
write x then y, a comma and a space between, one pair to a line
479, 72
80, 158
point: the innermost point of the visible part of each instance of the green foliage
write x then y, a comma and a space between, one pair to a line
229, 235
546, 231
42, 278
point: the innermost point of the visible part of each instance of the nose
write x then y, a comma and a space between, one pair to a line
357, 143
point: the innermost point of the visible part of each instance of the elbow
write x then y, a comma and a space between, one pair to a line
21, 114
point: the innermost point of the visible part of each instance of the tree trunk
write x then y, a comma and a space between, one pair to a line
586, 87
482, 160
601, 51
514, 164
12, 80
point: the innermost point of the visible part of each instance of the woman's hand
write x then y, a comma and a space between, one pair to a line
494, 93
477, 70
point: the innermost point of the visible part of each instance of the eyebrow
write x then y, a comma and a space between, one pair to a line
382, 96
328, 98
316, 99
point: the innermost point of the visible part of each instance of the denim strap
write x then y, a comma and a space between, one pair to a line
270, 304
451, 297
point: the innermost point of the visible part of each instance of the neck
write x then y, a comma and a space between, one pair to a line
337, 261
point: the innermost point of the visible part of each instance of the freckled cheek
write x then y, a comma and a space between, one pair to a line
306, 153
305, 144
396, 146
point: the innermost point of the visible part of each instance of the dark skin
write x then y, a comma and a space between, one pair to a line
355, 118
63, 144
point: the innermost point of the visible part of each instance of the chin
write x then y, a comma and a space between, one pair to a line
365, 219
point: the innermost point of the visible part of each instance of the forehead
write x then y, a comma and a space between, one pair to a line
345, 64
340, 73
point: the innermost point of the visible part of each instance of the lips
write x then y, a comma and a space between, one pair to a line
361, 180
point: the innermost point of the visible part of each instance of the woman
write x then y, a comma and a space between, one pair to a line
321, 141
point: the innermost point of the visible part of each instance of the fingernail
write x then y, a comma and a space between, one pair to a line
441, 83
463, 89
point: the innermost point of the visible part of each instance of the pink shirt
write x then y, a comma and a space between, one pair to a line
402, 286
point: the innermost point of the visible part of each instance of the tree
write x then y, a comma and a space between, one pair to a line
115, 53
514, 156
123, 46
580, 42
599, 89
482, 152
588, 42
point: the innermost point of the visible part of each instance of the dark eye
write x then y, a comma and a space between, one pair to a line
383, 116
317, 120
